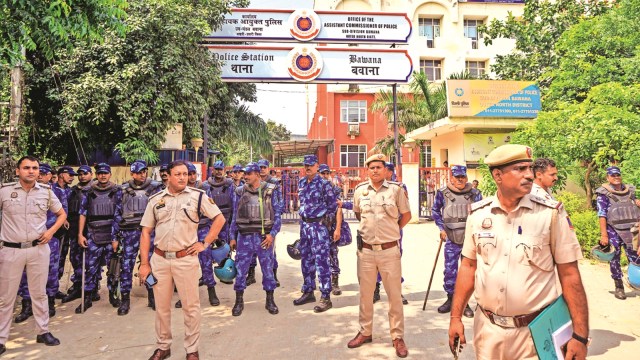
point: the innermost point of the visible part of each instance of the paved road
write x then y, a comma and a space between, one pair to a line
299, 333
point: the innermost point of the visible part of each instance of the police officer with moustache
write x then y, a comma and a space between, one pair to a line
204, 224
535, 235
85, 175
450, 212
97, 211
238, 175
546, 175
617, 212
173, 213
317, 198
54, 245
23, 238
66, 175
257, 210
382, 207
164, 175
130, 204
221, 191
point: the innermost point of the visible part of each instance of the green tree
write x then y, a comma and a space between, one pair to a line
46, 26
278, 132
536, 33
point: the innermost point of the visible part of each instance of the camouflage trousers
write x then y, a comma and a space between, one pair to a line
618, 244
314, 252
451, 258
248, 247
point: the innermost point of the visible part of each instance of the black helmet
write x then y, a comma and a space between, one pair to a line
294, 251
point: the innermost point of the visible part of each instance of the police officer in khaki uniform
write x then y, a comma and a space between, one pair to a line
545, 175
23, 244
174, 214
382, 207
514, 245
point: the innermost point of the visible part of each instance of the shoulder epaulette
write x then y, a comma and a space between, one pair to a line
196, 189
361, 184
156, 194
46, 186
482, 203
7, 184
554, 204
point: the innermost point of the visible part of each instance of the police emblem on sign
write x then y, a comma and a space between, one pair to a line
304, 25
305, 64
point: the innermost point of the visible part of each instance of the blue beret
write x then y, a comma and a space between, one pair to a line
218, 165
103, 168
459, 170
191, 168
391, 166
323, 168
45, 168
85, 168
613, 170
67, 169
164, 167
238, 167
310, 160
137, 166
252, 167
263, 162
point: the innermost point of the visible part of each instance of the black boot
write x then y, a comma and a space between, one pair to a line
125, 304
26, 311
324, 305
200, 282
275, 276
251, 275
88, 302
52, 306
468, 312
95, 296
335, 288
239, 305
306, 298
270, 305
376, 293
446, 307
213, 299
73, 293
151, 300
620, 289
60, 295
113, 298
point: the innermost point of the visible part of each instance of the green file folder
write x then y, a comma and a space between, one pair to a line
551, 329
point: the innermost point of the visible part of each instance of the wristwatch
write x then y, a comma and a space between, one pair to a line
586, 341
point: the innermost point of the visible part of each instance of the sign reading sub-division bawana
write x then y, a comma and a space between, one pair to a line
306, 63
307, 25
493, 98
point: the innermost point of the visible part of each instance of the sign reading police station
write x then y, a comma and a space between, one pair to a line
263, 25
306, 63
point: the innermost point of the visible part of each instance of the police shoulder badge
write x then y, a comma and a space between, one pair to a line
14, 195
487, 223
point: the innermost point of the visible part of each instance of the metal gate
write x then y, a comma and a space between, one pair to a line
431, 179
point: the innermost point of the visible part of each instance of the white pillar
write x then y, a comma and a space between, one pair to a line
411, 178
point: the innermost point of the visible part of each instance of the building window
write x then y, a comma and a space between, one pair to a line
471, 31
353, 155
476, 69
430, 29
432, 68
353, 111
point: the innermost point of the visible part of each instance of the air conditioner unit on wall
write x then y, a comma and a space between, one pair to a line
354, 130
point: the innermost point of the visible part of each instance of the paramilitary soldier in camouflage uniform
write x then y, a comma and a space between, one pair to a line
97, 209
618, 212
75, 251
126, 229
331, 222
257, 210
450, 211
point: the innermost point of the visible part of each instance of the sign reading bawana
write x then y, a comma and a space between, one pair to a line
306, 63
313, 26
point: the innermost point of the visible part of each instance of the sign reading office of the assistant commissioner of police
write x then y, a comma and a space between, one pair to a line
306, 63
306, 25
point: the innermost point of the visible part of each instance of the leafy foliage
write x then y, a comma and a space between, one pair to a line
587, 229
536, 33
278, 132
46, 26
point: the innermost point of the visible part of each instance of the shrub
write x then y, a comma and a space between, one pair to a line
587, 229
573, 203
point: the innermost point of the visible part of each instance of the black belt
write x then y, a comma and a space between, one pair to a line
20, 245
511, 321
312, 220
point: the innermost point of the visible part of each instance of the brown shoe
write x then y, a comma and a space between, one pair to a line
359, 340
401, 348
160, 354
193, 356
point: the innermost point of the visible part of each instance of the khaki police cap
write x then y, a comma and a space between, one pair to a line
376, 157
508, 154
